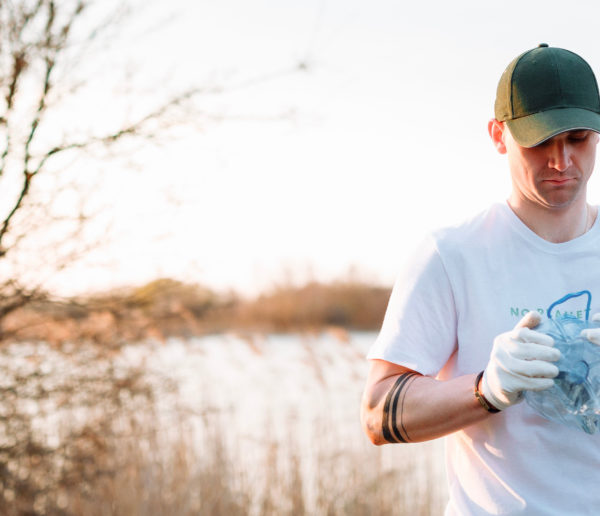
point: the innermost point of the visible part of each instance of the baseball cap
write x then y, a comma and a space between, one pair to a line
546, 91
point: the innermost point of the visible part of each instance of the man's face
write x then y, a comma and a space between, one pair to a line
554, 173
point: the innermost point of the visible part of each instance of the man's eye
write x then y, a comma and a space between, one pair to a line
578, 137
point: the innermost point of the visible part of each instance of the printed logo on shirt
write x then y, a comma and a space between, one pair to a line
520, 312
576, 304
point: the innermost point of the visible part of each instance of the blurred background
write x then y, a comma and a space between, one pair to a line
203, 207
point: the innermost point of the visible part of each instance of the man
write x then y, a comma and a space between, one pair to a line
447, 363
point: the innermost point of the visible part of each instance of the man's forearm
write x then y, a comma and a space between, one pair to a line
409, 407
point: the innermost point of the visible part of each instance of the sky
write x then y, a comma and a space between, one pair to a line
345, 131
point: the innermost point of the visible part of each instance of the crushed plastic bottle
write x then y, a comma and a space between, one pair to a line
574, 400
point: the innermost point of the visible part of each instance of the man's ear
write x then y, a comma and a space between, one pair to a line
496, 130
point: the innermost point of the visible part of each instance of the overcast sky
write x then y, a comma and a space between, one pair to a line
366, 129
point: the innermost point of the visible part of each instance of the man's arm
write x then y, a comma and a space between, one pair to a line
400, 405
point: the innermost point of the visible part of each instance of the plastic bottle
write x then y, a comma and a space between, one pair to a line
574, 400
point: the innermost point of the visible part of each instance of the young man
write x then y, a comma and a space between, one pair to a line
458, 347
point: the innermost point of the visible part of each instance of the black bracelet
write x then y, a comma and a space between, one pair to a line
481, 398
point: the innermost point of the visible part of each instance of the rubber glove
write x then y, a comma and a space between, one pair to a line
592, 334
520, 361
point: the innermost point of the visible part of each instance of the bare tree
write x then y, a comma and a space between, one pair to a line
46, 49
54, 56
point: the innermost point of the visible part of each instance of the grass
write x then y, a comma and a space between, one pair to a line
279, 482
83, 431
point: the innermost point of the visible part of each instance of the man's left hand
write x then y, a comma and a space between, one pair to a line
592, 334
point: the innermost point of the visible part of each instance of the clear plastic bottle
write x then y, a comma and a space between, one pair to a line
575, 397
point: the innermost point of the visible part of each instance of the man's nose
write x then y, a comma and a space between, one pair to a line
559, 157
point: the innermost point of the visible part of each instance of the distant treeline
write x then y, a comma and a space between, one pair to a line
168, 308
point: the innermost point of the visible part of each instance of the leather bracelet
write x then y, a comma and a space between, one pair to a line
481, 398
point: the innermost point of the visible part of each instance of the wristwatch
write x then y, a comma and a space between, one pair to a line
481, 398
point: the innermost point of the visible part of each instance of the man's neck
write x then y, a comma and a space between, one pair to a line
555, 225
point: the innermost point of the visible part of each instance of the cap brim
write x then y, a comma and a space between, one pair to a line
531, 130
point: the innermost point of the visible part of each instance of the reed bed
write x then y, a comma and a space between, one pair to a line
168, 308
226, 425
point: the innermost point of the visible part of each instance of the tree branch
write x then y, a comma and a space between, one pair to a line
6, 222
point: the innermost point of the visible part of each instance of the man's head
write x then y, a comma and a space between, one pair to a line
547, 122
552, 174
547, 91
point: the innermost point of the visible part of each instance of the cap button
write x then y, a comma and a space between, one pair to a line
542, 45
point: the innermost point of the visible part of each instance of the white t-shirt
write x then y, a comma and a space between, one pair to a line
466, 285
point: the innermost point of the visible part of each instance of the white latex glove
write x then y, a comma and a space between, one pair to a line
520, 361
592, 334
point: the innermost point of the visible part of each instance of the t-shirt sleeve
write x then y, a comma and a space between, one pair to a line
419, 328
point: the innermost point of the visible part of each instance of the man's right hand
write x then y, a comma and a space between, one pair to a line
521, 360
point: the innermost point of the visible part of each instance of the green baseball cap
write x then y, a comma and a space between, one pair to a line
546, 91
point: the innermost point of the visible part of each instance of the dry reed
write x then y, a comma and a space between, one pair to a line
83, 432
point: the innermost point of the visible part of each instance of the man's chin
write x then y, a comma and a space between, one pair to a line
560, 197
